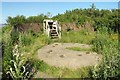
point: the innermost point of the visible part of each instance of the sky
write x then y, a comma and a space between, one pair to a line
35, 8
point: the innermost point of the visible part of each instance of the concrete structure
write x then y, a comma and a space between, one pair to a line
52, 28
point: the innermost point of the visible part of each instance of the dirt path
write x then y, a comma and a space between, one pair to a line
57, 55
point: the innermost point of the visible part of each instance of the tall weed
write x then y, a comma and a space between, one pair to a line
109, 66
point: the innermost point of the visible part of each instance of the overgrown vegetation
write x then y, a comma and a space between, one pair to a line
18, 68
14, 21
15, 66
104, 41
98, 18
110, 65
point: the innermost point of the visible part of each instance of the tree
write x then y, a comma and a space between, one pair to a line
16, 20
49, 15
93, 7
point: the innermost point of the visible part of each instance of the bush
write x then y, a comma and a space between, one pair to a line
7, 56
14, 36
11, 63
26, 39
110, 62
98, 43
109, 67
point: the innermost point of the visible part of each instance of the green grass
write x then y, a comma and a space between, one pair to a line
63, 72
102, 43
42, 40
71, 36
79, 49
37, 43
77, 37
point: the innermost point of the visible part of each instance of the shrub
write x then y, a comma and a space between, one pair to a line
98, 44
14, 36
13, 61
101, 39
109, 65
7, 56
26, 39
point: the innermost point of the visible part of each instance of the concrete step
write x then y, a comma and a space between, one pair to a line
53, 30
54, 37
54, 34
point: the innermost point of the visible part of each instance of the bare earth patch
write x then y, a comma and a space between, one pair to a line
57, 55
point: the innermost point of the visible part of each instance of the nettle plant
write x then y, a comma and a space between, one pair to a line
18, 68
